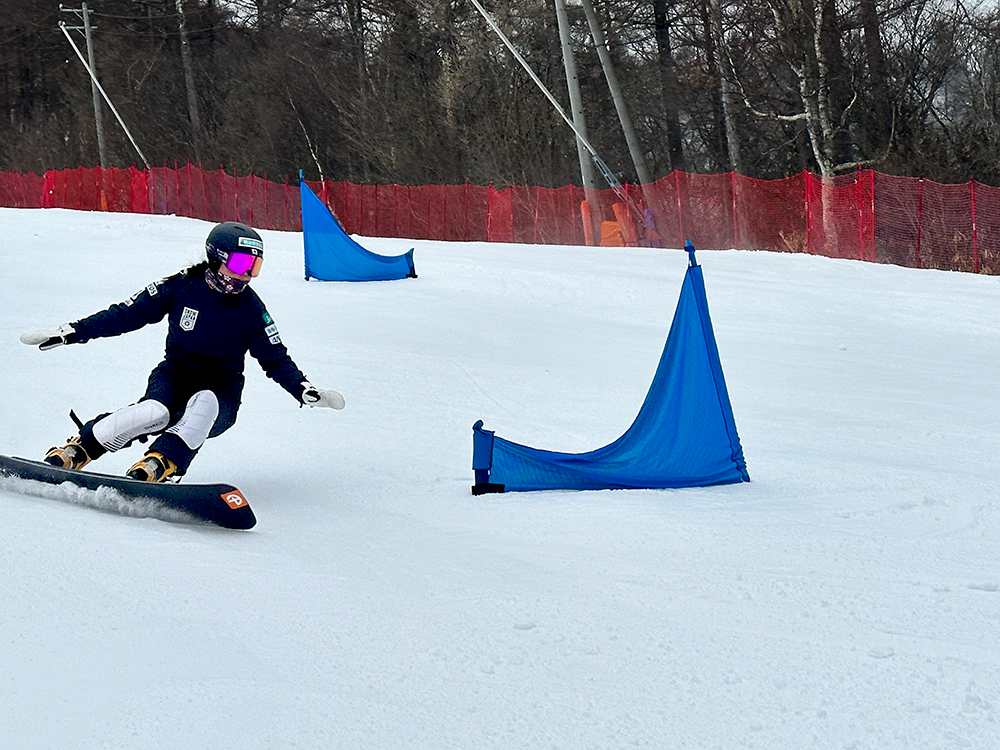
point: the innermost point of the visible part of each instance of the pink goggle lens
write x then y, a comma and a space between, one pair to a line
241, 263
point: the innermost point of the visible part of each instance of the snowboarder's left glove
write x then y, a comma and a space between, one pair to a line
313, 396
50, 339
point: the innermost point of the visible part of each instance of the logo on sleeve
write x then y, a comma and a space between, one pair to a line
188, 318
271, 330
152, 290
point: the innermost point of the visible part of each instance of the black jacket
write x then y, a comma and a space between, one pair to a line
209, 333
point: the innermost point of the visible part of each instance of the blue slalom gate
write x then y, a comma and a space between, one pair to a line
683, 436
331, 254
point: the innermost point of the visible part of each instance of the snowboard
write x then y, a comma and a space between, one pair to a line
221, 504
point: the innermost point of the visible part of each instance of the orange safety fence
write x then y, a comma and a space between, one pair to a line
865, 215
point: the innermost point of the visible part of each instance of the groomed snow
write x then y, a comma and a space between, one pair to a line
847, 597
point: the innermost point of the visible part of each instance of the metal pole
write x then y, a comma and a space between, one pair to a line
575, 98
598, 161
634, 149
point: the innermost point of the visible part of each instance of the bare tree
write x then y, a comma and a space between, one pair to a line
670, 90
189, 87
417, 91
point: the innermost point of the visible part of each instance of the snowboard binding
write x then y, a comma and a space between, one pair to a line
70, 456
80, 449
154, 467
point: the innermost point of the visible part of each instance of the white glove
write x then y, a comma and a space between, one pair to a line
48, 339
313, 396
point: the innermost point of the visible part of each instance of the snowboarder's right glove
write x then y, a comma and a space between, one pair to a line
313, 396
49, 339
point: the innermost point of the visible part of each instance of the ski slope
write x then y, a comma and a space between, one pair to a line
847, 597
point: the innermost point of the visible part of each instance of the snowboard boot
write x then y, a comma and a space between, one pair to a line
153, 467
69, 456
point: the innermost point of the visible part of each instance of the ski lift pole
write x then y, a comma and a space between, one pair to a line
62, 27
604, 169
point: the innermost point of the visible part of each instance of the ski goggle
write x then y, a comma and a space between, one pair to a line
241, 263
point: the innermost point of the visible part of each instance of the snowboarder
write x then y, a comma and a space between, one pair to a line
194, 393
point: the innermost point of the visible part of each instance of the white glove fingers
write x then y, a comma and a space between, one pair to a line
34, 338
48, 338
331, 400
328, 399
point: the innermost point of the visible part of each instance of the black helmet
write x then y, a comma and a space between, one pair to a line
232, 237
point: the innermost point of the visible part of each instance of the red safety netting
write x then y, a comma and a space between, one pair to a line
95, 189
986, 240
19, 190
838, 217
897, 220
771, 214
217, 196
862, 216
946, 227
499, 216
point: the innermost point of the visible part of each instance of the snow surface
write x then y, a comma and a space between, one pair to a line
847, 597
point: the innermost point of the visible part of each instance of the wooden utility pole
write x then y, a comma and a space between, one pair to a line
84, 13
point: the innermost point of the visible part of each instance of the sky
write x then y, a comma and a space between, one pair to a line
847, 597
